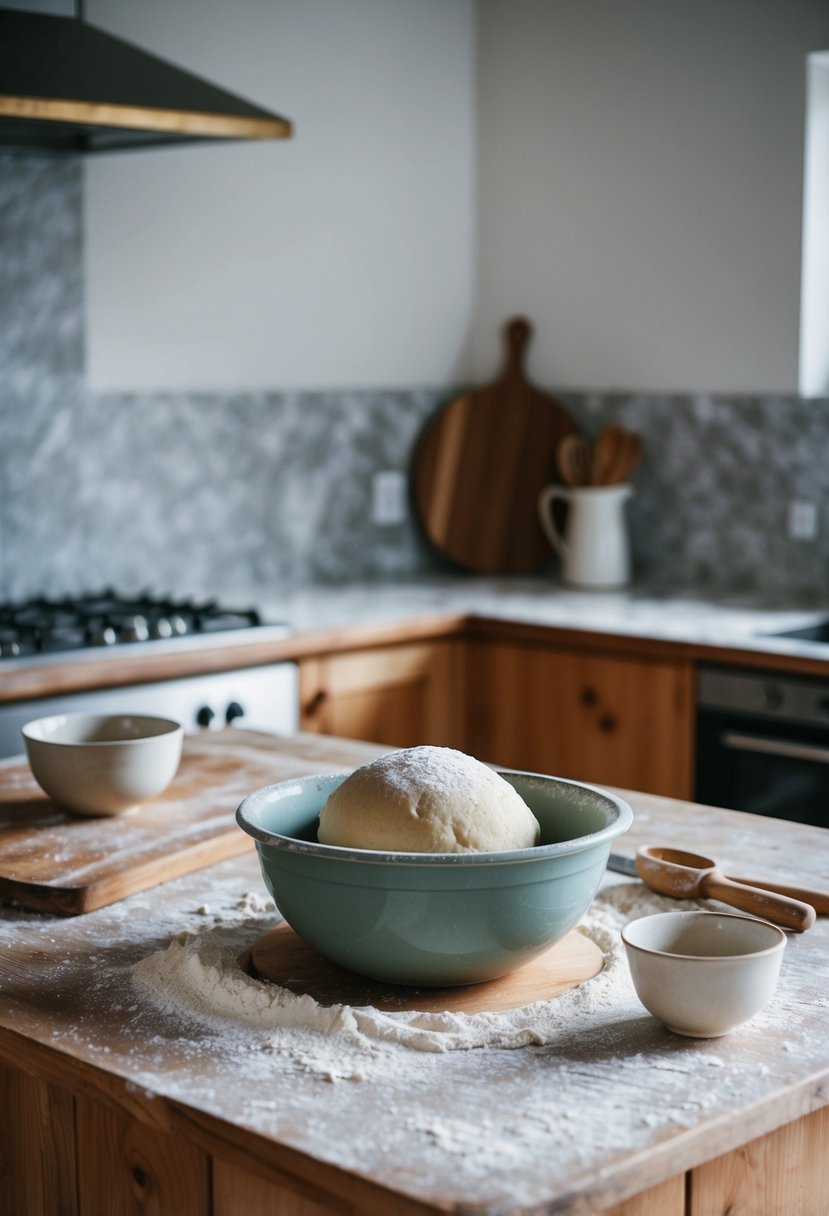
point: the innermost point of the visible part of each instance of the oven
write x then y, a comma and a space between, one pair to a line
44, 633
763, 744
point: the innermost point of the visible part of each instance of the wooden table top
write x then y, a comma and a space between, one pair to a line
613, 1106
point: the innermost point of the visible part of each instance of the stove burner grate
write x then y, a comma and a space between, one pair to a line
45, 626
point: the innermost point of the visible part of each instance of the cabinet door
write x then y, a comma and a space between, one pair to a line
585, 715
398, 695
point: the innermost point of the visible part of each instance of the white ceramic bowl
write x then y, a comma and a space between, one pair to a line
103, 764
703, 973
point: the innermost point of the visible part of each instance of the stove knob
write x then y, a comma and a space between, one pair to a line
205, 716
178, 624
134, 629
162, 628
233, 711
105, 635
10, 650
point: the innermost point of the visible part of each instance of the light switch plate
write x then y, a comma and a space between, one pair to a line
802, 520
388, 497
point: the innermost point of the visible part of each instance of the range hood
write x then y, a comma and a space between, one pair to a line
69, 88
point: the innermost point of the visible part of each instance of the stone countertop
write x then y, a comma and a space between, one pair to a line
325, 617
682, 616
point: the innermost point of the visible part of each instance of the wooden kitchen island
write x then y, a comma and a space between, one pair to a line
111, 1104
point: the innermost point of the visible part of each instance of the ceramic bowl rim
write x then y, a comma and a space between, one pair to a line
250, 805
700, 913
169, 727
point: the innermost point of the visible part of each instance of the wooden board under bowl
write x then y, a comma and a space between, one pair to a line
283, 958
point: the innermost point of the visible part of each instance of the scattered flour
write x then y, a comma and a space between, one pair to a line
199, 975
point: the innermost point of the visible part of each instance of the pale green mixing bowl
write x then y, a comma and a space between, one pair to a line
435, 919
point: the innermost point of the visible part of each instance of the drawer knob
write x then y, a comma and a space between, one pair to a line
589, 696
316, 703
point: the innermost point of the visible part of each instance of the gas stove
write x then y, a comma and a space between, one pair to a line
105, 622
83, 632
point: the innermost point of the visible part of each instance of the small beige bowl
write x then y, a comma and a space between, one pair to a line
703, 973
103, 764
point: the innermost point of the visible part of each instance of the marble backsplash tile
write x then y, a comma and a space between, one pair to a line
198, 493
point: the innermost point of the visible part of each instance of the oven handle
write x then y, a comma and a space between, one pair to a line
774, 747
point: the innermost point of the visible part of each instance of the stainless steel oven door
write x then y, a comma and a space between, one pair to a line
259, 698
763, 744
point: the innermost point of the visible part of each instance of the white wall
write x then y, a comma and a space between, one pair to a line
342, 258
639, 195
814, 308
640, 192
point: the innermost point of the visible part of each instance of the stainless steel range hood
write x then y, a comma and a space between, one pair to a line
69, 88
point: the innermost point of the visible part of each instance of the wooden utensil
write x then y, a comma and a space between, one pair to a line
574, 457
482, 462
689, 876
628, 456
285, 959
809, 895
605, 453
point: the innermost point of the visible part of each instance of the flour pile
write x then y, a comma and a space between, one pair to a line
199, 976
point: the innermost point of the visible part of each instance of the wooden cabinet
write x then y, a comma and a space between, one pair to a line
92, 1153
585, 714
401, 695
592, 715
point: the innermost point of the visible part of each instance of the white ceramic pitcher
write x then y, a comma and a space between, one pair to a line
596, 549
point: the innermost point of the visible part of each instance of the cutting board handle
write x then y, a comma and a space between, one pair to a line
517, 334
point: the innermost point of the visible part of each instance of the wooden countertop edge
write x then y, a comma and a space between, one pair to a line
22, 683
495, 629
692, 1148
268, 1158
310, 1176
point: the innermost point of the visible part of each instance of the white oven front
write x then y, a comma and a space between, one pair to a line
258, 698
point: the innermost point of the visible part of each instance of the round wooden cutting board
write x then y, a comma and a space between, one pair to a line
283, 958
481, 464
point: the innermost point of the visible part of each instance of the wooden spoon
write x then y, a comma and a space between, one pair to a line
689, 876
609, 444
627, 459
574, 459
809, 895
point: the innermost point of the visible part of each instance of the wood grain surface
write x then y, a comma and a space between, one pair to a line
293, 1139
481, 464
283, 958
52, 861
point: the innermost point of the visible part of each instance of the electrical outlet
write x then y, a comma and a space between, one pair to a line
802, 520
388, 498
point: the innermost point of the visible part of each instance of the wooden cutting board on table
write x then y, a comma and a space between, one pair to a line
52, 861
481, 464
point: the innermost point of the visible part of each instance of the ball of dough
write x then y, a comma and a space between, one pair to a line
427, 800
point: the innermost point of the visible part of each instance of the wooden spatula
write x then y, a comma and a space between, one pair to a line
574, 458
627, 459
608, 446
